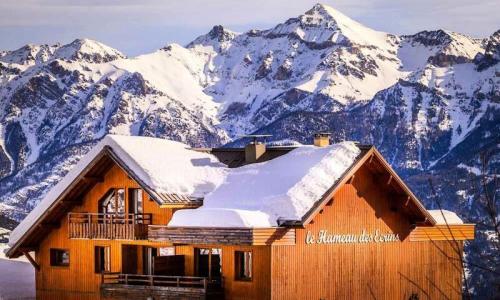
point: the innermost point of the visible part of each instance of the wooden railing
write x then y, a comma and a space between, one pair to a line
156, 280
108, 226
133, 286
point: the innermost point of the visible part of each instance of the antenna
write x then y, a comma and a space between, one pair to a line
256, 136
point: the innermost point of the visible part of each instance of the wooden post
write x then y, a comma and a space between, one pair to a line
31, 260
126, 278
210, 264
178, 281
151, 280
205, 284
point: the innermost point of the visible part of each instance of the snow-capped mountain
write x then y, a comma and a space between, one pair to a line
429, 101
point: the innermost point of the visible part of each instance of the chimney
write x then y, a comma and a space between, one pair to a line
255, 149
321, 139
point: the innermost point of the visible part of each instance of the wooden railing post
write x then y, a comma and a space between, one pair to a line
205, 284
178, 281
151, 280
126, 278
112, 227
89, 226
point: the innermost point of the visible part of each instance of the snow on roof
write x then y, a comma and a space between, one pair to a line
444, 217
164, 166
286, 188
169, 167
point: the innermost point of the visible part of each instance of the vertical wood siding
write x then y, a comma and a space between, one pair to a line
365, 271
338, 271
78, 281
80, 276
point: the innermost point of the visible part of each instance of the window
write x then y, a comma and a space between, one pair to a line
167, 251
102, 259
59, 257
243, 265
135, 203
113, 202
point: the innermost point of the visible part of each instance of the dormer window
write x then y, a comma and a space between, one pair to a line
113, 202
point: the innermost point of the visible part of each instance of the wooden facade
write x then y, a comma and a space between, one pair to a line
417, 260
394, 270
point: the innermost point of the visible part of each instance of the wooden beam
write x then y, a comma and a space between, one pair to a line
72, 200
390, 180
93, 179
50, 225
407, 201
31, 260
457, 232
421, 222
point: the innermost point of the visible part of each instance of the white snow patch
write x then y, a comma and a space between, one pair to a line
443, 217
312, 84
473, 170
17, 277
285, 188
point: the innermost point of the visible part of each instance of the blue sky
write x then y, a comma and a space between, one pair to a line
142, 26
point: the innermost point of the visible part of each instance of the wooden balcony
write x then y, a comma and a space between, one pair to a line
108, 226
222, 236
133, 286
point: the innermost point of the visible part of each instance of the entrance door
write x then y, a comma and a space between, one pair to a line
129, 259
208, 262
148, 256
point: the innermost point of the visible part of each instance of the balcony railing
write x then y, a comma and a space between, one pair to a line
170, 287
108, 226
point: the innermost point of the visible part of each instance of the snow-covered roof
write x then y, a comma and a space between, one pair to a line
260, 195
444, 217
164, 166
285, 188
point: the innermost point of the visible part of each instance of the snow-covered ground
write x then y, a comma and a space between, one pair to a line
17, 277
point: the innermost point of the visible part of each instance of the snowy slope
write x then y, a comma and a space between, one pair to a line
17, 277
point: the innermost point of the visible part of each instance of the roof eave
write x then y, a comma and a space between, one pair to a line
371, 151
107, 150
12, 250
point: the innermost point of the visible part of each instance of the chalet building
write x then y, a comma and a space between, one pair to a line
146, 218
